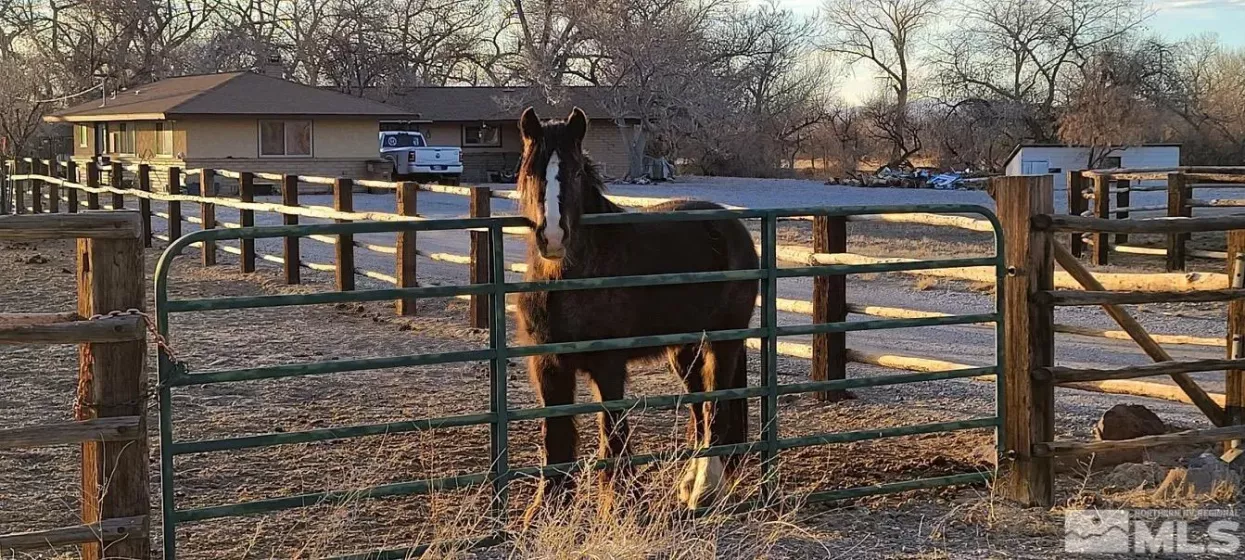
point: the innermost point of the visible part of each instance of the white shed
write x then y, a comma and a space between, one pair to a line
1058, 159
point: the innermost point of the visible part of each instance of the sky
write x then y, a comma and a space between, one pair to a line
1173, 19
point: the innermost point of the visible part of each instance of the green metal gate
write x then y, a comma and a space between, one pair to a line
174, 375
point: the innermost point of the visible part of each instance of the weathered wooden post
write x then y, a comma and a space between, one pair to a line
1028, 413
175, 206
478, 310
144, 203
207, 213
1122, 200
54, 188
830, 306
71, 193
4, 186
1177, 207
36, 186
1234, 379
20, 167
246, 193
116, 180
343, 201
92, 183
1076, 206
406, 259
113, 383
1102, 209
289, 197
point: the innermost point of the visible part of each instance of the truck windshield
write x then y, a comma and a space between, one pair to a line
401, 140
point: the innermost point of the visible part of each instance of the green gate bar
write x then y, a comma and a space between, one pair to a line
500, 415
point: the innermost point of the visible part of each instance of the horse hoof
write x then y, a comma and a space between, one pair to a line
708, 482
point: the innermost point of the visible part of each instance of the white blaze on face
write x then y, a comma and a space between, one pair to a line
554, 233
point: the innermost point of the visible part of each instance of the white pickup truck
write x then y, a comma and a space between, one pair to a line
411, 156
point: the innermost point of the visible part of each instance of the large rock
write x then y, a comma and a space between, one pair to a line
1128, 421
1131, 476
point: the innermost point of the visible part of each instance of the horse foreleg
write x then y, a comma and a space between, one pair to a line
725, 421
685, 362
554, 385
608, 384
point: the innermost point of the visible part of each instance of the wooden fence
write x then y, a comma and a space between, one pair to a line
111, 402
1030, 293
829, 248
1090, 194
1030, 298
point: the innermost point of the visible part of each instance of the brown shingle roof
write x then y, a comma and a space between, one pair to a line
233, 93
453, 103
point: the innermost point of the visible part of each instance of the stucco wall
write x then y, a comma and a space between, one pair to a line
239, 138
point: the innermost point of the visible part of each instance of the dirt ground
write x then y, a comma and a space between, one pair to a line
38, 488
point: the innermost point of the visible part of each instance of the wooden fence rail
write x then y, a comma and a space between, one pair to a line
111, 423
1180, 185
1030, 298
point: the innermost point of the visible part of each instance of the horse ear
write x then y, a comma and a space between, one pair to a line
577, 124
529, 125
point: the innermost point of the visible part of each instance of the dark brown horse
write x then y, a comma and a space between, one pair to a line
558, 186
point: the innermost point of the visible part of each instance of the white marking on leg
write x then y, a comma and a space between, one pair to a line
708, 481
553, 207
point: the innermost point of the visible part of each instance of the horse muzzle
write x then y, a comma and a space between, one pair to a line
552, 253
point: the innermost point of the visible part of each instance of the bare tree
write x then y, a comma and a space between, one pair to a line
1017, 52
884, 35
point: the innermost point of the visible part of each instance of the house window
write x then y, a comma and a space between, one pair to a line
81, 136
164, 138
1112, 162
482, 135
121, 139
284, 138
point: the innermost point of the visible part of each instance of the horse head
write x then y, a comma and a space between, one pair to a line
556, 182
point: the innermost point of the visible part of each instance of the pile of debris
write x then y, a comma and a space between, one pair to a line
916, 178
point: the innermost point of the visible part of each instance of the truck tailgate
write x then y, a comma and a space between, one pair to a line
437, 156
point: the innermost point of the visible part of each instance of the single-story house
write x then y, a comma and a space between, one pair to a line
240, 121
1058, 159
483, 121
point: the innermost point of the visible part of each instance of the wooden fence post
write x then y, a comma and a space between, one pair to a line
207, 213
478, 310
830, 306
246, 193
1028, 412
343, 201
1234, 379
1102, 209
92, 181
289, 197
113, 383
1177, 206
406, 259
175, 206
144, 204
1122, 200
71, 193
4, 186
115, 175
36, 186
54, 189
1076, 206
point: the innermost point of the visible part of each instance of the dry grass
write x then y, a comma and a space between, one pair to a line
926, 283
